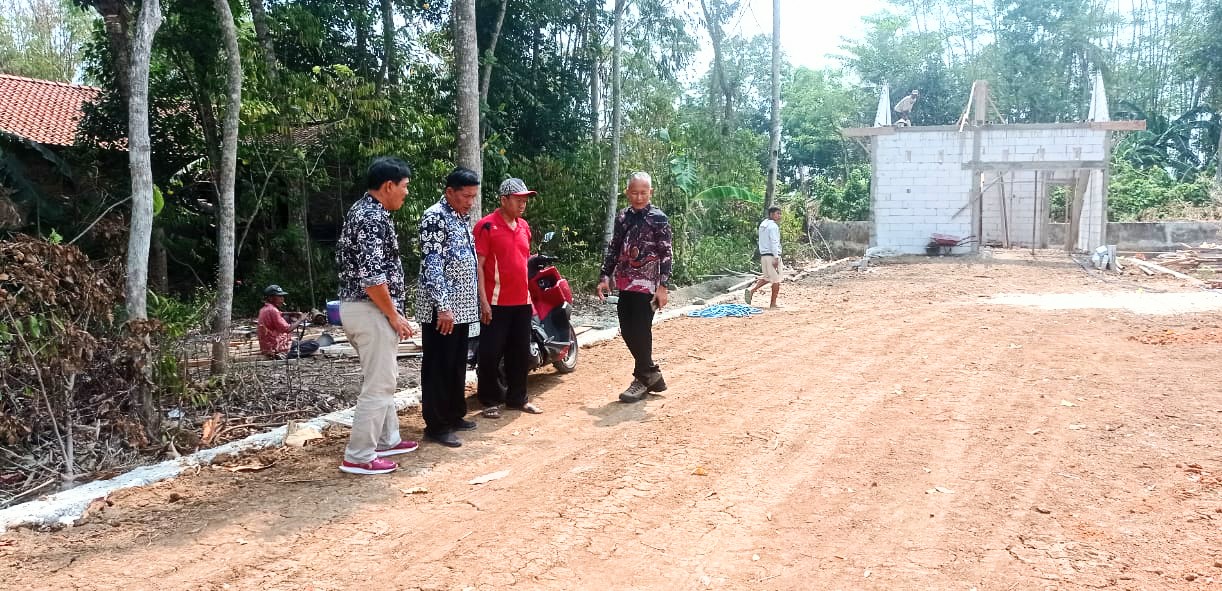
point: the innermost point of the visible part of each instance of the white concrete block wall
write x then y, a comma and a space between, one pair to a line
922, 186
1013, 145
1091, 227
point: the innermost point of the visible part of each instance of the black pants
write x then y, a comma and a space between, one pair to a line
506, 337
443, 377
302, 349
636, 326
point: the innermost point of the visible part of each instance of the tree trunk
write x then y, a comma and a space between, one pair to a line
140, 152
719, 70
390, 66
115, 20
207, 125
360, 22
490, 55
225, 176
466, 58
159, 278
596, 130
613, 192
1218, 172
774, 145
592, 48
259, 16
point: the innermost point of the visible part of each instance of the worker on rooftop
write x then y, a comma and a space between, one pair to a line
903, 109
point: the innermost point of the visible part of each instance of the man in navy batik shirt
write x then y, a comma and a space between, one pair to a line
447, 306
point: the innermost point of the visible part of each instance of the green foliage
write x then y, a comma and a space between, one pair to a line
892, 53
43, 39
179, 317
817, 104
1185, 146
1147, 194
845, 199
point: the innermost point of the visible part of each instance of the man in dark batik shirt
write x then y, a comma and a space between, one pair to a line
371, 291
638, 261
447, 306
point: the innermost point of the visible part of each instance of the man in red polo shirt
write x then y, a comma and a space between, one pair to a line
276, 332
502, 245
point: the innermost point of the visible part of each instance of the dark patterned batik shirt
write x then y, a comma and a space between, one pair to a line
639, 256
448, 279
367, 253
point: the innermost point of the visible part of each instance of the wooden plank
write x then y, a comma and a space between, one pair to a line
738, 286
1138, 125
981, 104
1035, 165
1005, 214
1075, 212
405, 348
866, 131
1176, 274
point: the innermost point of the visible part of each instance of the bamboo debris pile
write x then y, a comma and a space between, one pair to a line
1201, 265
1205, 258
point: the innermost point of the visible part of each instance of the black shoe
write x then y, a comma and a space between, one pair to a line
448, 439
635, 392
465, 425
654, 382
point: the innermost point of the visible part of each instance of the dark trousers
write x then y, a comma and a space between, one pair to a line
443, 377
636, 326
302, 349
506, 337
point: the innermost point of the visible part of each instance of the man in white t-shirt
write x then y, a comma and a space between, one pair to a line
903, 109
770, 256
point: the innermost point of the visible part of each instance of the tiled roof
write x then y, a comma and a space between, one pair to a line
42, 111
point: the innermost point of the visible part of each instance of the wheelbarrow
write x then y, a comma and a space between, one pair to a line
944, 244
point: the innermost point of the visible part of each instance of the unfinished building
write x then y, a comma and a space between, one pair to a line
949, 189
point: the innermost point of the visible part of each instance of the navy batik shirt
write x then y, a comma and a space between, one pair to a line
448, 279
367, 253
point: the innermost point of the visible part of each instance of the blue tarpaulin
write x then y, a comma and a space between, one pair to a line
724, 311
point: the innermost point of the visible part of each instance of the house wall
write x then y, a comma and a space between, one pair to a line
921, 188
924, 184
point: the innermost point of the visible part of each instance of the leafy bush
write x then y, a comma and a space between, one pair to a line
1146, 194
845, 199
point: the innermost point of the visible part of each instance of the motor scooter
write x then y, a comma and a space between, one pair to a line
553, 339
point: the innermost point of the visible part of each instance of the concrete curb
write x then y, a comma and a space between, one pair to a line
67, 507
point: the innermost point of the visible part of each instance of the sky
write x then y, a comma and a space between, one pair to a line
810, 29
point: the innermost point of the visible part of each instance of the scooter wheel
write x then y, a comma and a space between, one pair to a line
569, 363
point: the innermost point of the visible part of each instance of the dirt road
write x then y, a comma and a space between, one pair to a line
895, 429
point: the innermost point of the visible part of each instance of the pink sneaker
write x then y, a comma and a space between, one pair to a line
377, 466
402, 448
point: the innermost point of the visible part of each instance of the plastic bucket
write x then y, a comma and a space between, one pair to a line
333, 312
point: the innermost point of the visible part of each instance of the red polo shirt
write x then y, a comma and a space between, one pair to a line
505, 250
275, 333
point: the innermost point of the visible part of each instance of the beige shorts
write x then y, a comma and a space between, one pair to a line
771, 273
